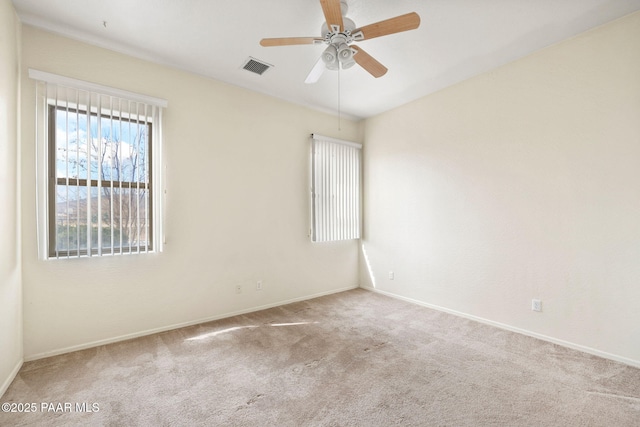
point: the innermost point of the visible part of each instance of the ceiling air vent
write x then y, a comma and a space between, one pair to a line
256, 66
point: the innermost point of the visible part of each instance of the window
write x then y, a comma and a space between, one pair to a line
335, 189
100, 182
99, 150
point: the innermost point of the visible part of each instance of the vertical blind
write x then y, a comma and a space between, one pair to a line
335, 189
97, 147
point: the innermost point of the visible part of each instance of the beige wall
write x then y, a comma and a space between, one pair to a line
10, 270
520, 183
237, 209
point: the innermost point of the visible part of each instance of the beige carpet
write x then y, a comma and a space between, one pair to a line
350, 359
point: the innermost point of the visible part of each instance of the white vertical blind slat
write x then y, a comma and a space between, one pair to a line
130, 192
119, 149
99, 101
111, 141
89, 150
78, 186
147, 172
137, 177
66, 154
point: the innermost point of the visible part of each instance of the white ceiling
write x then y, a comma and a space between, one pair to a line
457, 39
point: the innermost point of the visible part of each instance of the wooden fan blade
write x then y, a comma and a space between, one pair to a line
290, 41
332, 13
367, 62
401, 23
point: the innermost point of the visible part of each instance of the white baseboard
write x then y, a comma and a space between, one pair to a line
568, 344
12, 376
177, 326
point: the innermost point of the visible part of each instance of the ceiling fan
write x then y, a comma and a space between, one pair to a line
339, 32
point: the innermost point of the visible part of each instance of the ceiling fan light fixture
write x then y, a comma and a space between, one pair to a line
330, 55
344, 52
351, 61
333, 66
348, 64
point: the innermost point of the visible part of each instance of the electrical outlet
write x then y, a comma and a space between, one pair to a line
391, 275
259, 285
536, 305
238, 289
